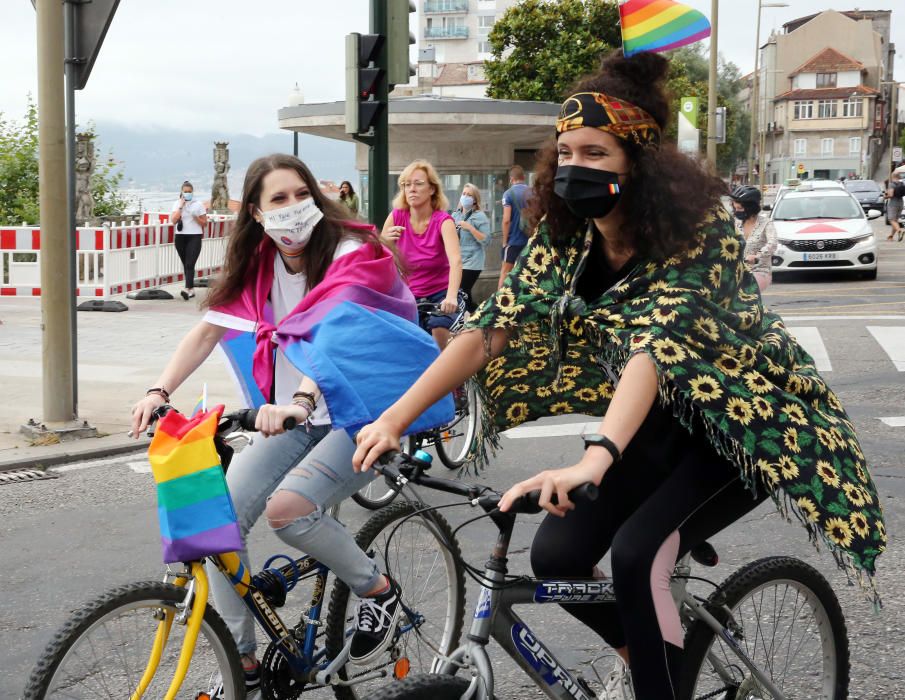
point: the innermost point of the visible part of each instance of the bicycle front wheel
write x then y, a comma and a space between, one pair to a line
454, 442
420, 552
787, 620
103, 650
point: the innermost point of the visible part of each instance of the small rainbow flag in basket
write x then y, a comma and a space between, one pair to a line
659, 25
196, 514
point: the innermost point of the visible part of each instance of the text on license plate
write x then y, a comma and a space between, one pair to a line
819, 256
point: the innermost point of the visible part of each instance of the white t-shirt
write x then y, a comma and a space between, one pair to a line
287, 292
189, 212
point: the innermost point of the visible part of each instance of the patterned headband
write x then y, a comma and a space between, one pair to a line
618, 117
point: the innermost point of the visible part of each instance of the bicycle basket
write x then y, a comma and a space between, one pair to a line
196, 514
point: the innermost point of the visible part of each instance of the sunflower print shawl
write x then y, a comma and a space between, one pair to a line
723, 363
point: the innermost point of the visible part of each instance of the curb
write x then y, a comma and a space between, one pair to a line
73, 455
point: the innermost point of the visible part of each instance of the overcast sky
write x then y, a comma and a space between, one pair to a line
230, 64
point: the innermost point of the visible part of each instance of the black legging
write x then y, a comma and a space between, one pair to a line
188, 246
639, 507
469, 277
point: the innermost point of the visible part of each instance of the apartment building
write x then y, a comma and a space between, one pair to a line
826, 87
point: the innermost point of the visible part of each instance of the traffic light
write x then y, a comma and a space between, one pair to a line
399, 38
363, 76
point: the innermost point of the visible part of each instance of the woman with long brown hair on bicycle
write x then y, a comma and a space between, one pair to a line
632, 301
301, 284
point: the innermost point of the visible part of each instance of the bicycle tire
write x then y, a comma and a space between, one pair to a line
369, 537
425, 686
379, 493
152, 595
736, 591
454, 458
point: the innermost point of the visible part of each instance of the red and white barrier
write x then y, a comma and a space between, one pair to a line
110, 260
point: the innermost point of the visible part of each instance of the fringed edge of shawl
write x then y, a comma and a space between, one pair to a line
487, 442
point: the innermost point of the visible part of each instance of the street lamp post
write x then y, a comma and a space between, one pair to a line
755, 100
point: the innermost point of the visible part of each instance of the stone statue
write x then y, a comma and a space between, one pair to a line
84, 168
220, 188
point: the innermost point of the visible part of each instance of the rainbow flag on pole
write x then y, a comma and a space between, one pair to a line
659, 25
196, 514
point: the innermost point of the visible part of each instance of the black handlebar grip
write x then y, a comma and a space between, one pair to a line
586, 493
290, 423
246, 419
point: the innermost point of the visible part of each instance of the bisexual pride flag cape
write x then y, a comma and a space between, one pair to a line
196, 515
355, 334
659, 25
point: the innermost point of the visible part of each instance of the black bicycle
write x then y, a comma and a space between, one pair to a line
773, 629
452, 442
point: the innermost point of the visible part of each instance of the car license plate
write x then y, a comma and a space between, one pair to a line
819, 256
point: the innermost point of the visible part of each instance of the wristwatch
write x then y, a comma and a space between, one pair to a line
604, 442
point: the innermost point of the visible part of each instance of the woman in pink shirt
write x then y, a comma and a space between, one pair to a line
426, 236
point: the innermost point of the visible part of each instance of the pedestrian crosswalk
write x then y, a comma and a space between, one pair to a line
890, 339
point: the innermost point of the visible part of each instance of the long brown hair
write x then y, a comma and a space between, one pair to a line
242, 253
667, 196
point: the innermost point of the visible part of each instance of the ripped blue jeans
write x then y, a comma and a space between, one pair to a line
316, 464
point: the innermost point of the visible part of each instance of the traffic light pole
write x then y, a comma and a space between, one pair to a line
379, 154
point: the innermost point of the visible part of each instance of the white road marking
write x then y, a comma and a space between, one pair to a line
892, 340
894, 421
140, 467
559, 430
792, 317
810, 339
88, 464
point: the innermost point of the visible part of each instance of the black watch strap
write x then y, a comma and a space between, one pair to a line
602, 441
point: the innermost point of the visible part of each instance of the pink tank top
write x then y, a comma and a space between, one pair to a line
424, 254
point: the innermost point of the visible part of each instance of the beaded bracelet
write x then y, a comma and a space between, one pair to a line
160, 391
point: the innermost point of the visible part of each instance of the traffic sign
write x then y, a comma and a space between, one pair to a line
897, 154
800, 168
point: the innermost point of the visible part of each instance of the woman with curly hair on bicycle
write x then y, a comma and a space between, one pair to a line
426, 236
633, 301
301, 284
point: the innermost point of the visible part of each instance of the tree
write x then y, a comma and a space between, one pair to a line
19, 174
540, 48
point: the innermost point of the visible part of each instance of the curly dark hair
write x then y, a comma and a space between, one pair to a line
668, 194
247, 236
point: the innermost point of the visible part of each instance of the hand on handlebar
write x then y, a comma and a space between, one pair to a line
141, 413
449, 305
552, 482
373, 441
271, 417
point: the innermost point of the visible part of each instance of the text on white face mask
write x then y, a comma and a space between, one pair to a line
291, 227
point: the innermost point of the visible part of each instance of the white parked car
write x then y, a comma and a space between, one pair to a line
824, 229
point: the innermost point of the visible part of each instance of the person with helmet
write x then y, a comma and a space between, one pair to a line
756, 228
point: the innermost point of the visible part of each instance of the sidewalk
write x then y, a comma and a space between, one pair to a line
119, 356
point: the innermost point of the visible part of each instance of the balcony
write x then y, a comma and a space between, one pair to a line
446, 32
434, 7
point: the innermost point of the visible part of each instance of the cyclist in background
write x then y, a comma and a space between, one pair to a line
633, 301
427, 239
291, 249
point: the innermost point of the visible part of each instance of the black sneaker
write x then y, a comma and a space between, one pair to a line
375, 624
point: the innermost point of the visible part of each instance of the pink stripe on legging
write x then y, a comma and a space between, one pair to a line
664, 605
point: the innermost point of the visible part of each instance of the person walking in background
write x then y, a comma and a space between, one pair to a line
474, 236
348, 197
896, 195
190, 218
426, 236
514, 224
757, 229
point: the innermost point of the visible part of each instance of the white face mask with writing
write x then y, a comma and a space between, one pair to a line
291, 227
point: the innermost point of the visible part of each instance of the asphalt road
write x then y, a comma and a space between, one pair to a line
65, 540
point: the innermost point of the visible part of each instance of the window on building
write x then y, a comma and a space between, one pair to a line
826, 109
485, 22
826, 80
826, 147
854, 146
804, 110
852, 107
484, 47
801, 147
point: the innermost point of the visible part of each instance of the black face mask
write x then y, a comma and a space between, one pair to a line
741, 215
589, 193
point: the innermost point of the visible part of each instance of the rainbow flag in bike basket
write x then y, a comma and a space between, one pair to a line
659, 25
196, 514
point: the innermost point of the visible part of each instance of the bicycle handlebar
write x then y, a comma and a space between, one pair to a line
243, 419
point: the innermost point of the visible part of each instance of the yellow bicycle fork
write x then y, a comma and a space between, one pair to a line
198, 602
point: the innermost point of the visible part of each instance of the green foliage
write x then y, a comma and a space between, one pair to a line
19, 174
541, 48
19, 169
